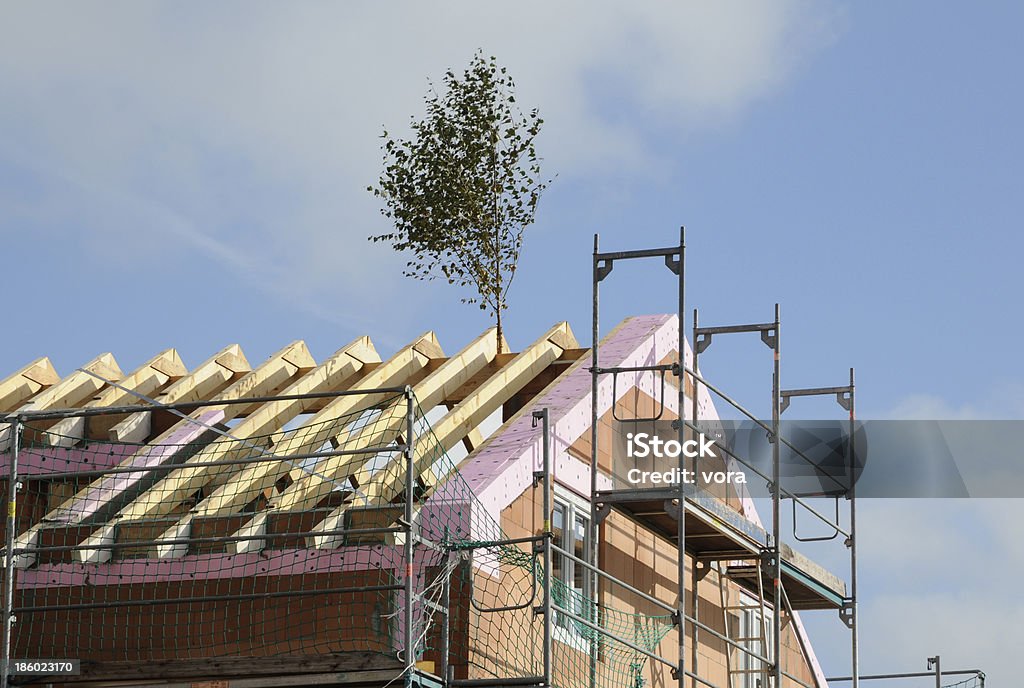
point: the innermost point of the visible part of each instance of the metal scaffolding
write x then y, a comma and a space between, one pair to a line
770, 556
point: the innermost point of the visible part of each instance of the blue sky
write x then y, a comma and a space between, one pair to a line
196, 176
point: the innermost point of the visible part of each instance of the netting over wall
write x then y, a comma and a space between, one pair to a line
204, 543
505, 585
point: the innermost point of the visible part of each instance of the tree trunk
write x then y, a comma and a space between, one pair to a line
495, 196
499, 333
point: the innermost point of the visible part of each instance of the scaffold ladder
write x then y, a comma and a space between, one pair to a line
743, 670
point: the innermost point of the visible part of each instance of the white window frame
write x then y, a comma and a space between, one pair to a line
567, 630
748, 619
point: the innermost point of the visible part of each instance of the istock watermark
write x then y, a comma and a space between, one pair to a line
825, 458
643, 445
640, 445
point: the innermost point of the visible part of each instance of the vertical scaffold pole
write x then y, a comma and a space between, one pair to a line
937, 661
693, 390
694, 654
410, 486
776, 521
9, 559
446, 630
594, 530
548, 536
680, 404
854, 639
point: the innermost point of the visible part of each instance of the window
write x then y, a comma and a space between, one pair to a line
570, 523
754, 632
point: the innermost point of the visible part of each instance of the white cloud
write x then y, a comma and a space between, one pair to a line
248, 132
936, 576
942, 572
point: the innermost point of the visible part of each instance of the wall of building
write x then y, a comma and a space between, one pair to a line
645, 560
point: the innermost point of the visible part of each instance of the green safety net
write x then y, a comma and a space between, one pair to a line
213, 541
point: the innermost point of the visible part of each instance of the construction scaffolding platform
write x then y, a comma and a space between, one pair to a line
717, 532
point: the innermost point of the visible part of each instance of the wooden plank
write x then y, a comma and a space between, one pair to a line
166, 367
309, 489
329, 424
206, 381
68, 393
104, 494
284, 665
22, 385
481, 403
165, 496
458, 423
172, 489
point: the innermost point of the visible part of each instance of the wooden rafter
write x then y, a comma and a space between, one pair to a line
481, 403
70, 392
148, 379
487, 398
162, 498
19, 387
253, 480
268, 378
207, 380
307, 492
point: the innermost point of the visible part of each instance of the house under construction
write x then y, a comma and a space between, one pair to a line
432, 519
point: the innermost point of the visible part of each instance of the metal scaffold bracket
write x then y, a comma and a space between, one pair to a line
703, 335
846, 613
703, 568
844, 399
844, 395
673, 263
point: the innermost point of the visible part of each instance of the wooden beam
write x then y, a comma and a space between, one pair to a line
104, 492
273, 375
148, 379
475, 437
480, 404
309, 489
170, 491
248, 483
230, 667
68, 393
21, 386
458, 423
206, 381
76, 387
